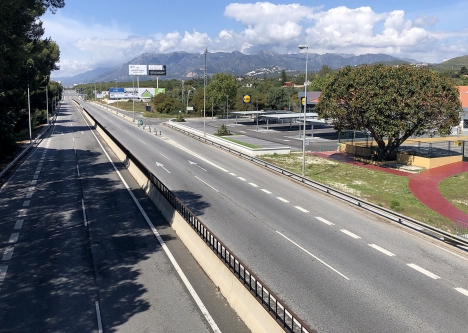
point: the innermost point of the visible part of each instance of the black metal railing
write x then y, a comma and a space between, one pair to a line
282, 314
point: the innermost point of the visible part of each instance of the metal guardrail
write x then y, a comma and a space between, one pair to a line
283, 315
462, 228
381, 211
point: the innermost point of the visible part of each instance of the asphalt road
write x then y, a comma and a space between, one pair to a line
78, 254
338, 268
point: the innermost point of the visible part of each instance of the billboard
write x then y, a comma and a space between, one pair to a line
135, 93
137, 70
156, 69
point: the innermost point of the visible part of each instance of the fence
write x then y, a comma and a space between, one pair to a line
283, 315
462, 228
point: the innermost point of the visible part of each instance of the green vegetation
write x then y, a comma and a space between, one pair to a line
391, 103
454, 190
26, 61
222, 130
383, 189
250, 145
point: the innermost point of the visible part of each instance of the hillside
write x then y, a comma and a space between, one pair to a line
452, 64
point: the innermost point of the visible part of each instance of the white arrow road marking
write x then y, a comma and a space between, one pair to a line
193, 163
162, 166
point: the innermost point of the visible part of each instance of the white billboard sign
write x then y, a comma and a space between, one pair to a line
137, 70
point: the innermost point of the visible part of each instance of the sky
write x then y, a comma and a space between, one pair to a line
94, 34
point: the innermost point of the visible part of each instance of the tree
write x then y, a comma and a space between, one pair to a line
222, 85
283, 77
392, 103
463, 71
277, 98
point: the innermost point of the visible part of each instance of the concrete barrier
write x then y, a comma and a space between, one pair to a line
240, 299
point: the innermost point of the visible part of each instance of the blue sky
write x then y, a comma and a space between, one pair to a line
103, 33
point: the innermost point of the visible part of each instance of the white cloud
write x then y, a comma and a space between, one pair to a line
265, 26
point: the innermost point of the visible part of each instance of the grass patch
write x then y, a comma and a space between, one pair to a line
454, 190
383, 189
242, 143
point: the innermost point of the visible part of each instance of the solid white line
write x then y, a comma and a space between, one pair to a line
243, 179
18, 224
301, 209
3, 271
381, 249
98, 314
207, 184
84, 213
165, 156
463, 291
8, 253
254, 185
187, 283
315, 257
425, 272
321, 219
13, 238
282, 199
349, 233
266, 191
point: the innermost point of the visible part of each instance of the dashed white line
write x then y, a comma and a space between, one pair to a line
463, 291
8, 253
424, 271
165, 156
232, 174
13, 238
26, 203
22, 212
349, 233
98, 314
252, 184
3, 271
243, 179
266, 191
381, 249
321, 219
36, 177
207, 184
282, 199
34, 182
18, 224
142, 141
301, 209
84, 213
317, 258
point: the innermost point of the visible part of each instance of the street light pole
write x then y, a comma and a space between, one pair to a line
301, 47
204, 96
227, 110
117, 87
47, 99
133, 97
29, 113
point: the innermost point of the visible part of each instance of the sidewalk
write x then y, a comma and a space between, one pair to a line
424, 186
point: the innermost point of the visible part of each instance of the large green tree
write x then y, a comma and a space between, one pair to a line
222, 89
392, 103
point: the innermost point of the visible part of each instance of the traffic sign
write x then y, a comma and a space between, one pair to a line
303, 100
246, 99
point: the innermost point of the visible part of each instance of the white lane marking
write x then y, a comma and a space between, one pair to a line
196, 155
13, 238
142, 141
3, 271
38, 169
243, 179
194, 163
8, 253
82, 132
26, 203
98, 314
73, 138
301, 209
381, 249
31, 188
18, 224
127, 131
313, 256
162, 166
252, 184
22, 212
463, 291
349, 233
187, 283
321, 219
78, 170
37, 172
36, 177
232, 174
424, 271
84, 213
207, 184
39, 165
266, 191
282, 199
34, 182
165, 156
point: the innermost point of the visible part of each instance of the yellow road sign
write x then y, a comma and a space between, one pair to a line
246, 98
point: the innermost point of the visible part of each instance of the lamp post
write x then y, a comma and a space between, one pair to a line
204, 96
301, 47
116, 87
47, 98
256, 97
29, 113
227, 109
133, 97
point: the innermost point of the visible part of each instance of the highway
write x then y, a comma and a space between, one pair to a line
78, 254
339, 268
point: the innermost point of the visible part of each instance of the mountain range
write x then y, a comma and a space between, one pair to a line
182, 65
